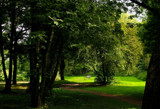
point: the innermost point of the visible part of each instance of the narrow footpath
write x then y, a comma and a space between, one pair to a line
123, 98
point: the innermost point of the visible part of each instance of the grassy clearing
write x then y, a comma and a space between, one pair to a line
129, 86
62, 99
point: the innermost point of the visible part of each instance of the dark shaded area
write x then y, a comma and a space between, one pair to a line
17, 99
75, 100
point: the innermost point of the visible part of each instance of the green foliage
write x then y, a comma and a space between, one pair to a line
131, 46
148, 28
142, 75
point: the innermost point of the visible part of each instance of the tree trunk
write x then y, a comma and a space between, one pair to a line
1, 49
44, 69
34, 77
15, 61
34, 68
104, 74
13, 33
152, 89
103, 68
52, 80
62, 67
7, 85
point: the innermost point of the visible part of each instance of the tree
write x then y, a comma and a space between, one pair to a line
130, 46
152, 88
2, 5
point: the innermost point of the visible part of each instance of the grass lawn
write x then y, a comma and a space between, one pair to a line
64, 99
129, 86
80, 79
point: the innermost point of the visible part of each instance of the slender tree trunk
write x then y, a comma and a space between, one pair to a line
34, 77
13, 33
62, 67
15, 61
44, 69
103, 68
104, 73
1, 50
52, 80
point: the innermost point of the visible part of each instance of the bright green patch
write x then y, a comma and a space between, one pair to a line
129, 86
80, 79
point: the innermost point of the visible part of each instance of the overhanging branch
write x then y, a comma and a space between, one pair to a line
143, 5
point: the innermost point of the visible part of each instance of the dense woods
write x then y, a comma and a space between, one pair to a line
40, 39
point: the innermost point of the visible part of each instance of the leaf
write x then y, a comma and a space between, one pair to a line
56, 23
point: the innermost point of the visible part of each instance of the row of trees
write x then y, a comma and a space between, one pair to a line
47, 32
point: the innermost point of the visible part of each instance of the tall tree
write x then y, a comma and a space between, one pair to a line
151, 95
2, 11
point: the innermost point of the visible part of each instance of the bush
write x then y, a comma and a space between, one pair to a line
142, 75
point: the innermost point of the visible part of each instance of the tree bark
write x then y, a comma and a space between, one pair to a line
104, 73
152, 89
62, 67
15, 61
103, 68
34, 77
13, 33
1, 46
44, 69
52, 80
34, 68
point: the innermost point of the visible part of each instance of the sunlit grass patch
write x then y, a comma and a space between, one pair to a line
80, 79
128, 86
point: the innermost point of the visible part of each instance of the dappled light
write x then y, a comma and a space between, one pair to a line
79, 54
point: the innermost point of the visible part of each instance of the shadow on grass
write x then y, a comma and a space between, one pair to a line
17, 99
66, 83
64, 99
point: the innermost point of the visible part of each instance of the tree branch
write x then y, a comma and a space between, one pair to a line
143, 5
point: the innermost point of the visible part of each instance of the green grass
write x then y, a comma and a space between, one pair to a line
129, 86
64, 99
80, 79
17, 99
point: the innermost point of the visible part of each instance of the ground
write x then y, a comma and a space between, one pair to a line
81, 94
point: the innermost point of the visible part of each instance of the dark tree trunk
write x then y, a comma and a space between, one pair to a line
1, 49
34, 68
13, 33
104, 73
34, 77
15, 61
44, 69
152, 89
7, 84
62, 67
103, 68
60, 49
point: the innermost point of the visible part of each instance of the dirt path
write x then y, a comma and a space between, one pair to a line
126, 99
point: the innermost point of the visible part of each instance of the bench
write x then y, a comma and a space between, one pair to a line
88, 76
